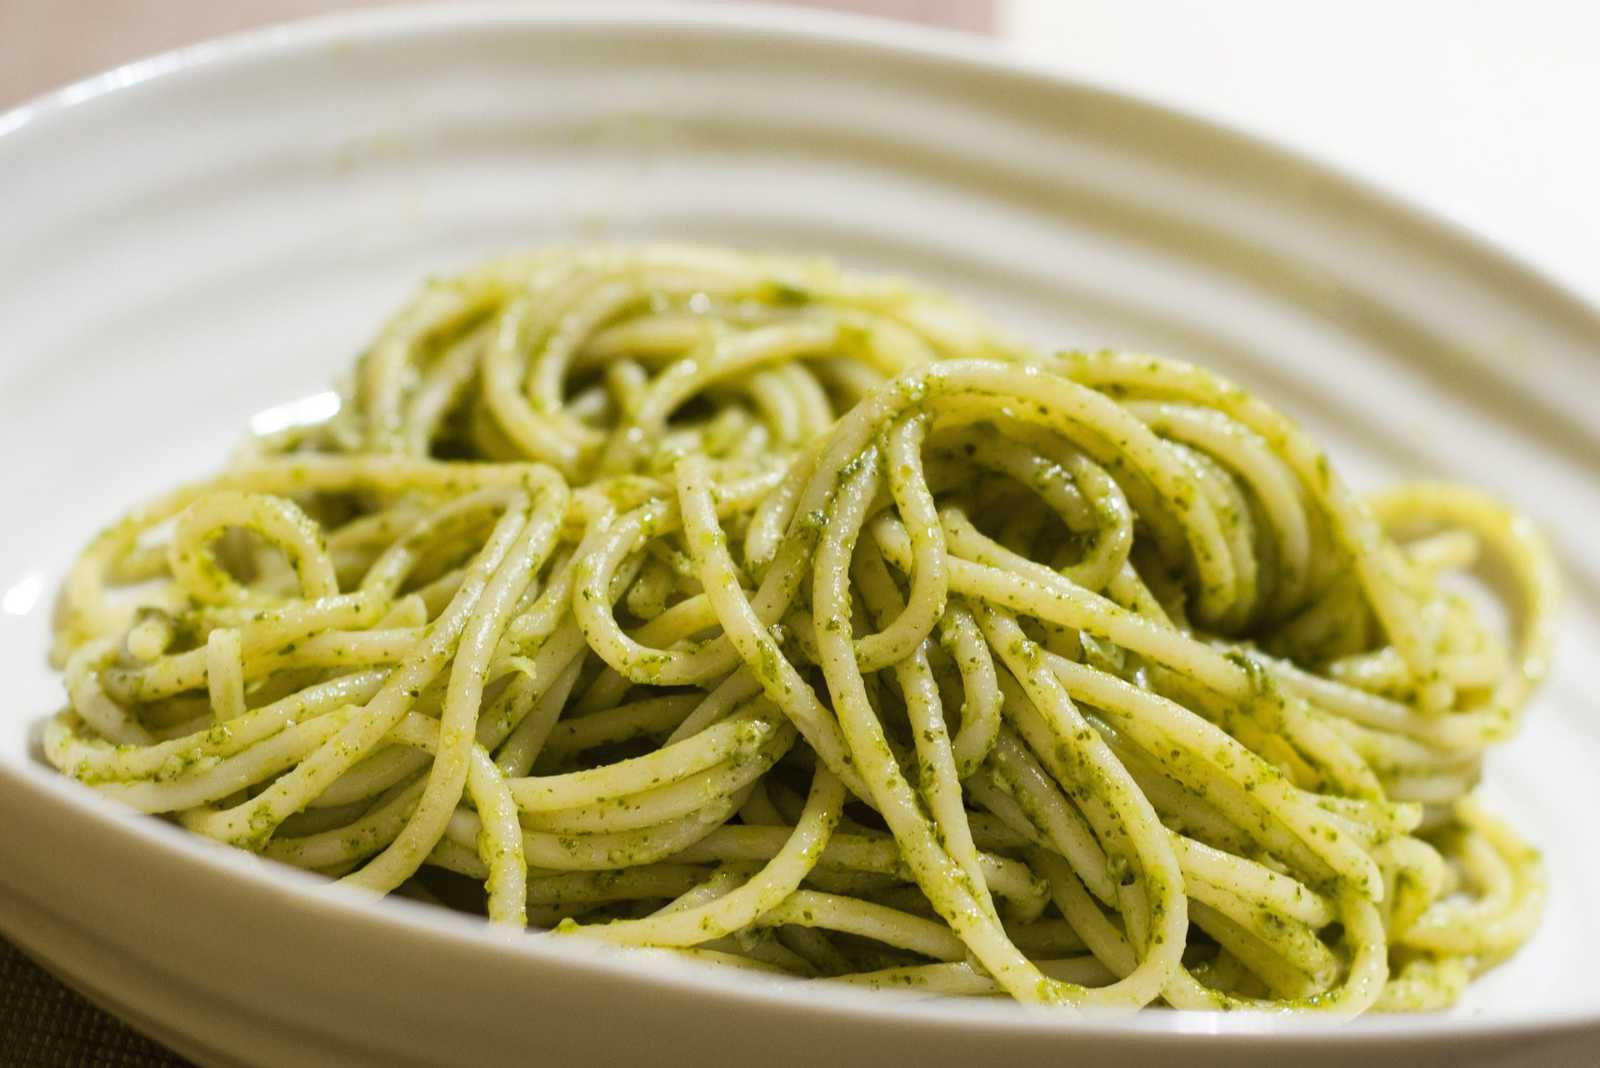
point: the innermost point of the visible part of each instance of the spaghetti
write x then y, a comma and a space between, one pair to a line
801, 622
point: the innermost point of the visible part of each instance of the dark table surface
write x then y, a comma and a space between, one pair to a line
45, 1025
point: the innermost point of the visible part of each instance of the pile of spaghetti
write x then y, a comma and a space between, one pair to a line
802, 622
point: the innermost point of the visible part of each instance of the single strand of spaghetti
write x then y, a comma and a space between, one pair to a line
728, 694
1046, 938
625, 380
962, 980
779, 408
500, 841
647, 598
915, 620
648, 882
1127, 590
88, 696
770, 522
606, 690
759, 810
688, 617
592, 407
811, 908
372, 775
980, 711
149, 637
723, 881
340, 649
225, 674
276, 520
816, 412
655, 715
742, 734
408, 611
721, 959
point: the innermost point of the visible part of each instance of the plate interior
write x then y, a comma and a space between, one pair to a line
199, 245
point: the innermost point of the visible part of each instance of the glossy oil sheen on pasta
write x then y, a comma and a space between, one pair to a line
803, 622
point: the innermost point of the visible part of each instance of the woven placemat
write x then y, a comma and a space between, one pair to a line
45, 1025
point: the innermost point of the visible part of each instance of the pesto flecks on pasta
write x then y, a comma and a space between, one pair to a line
803, 622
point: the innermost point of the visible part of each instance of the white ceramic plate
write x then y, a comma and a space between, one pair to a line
192, 239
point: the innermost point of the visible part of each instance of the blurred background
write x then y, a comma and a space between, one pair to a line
1481, 110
